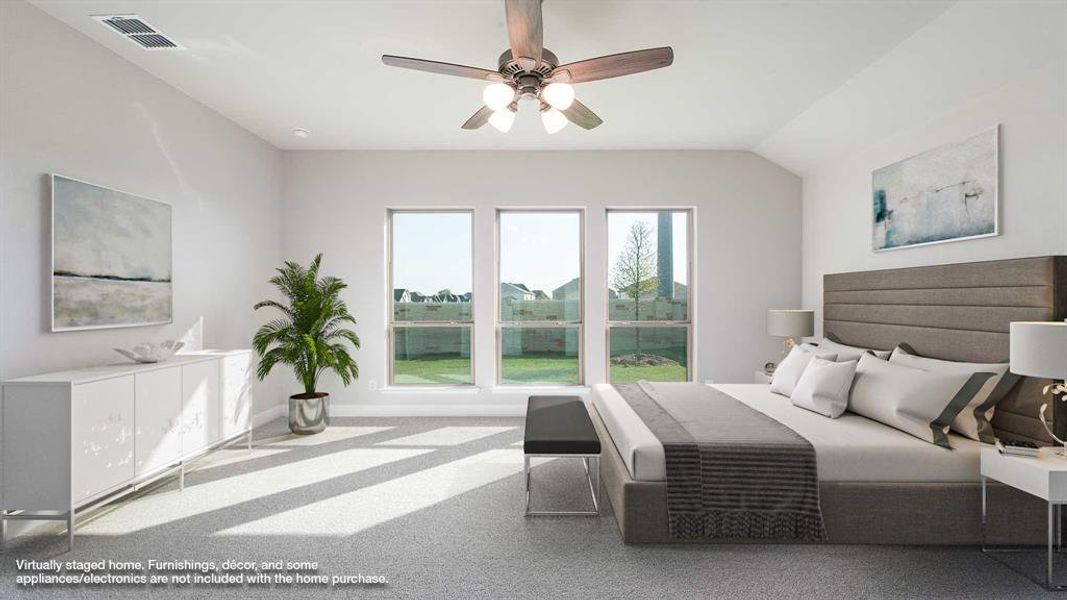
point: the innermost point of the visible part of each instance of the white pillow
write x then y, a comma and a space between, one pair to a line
921, 403
788, 373
973, 420
823, 388
846, 352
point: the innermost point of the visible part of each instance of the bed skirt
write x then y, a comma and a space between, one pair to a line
853, 512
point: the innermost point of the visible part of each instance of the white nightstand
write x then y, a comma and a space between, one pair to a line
1044, 477
761, 377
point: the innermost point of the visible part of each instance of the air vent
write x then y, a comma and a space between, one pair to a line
138, 31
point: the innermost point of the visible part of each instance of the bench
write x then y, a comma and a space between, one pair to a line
559, 427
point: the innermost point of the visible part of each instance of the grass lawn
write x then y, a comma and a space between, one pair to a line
630, 374
435, 371
524, 370
540, 370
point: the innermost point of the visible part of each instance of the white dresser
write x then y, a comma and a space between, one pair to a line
75, 438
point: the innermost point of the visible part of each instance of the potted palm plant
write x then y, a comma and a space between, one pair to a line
310, 337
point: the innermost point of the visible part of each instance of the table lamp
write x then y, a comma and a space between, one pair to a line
1039, 349
790, 324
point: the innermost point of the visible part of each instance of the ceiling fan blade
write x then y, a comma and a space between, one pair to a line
580, 115
615, 65
524, 29
479, 118
442, 68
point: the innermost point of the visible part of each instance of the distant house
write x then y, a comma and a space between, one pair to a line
515, 291
540, 295
401, 295
681, 290
418, 297
651, 286
568, 291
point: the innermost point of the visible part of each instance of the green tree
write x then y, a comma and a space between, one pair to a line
310, 334
634, 274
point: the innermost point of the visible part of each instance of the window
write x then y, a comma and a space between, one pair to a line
430, 281
540, 297
649, 290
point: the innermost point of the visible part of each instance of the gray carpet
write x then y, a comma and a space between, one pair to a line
435, 506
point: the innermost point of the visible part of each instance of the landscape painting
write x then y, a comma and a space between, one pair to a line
942, 195
111, 258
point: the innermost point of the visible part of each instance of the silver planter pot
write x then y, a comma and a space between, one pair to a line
309, 413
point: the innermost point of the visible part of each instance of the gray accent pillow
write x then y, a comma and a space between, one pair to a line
974, 420
919, 403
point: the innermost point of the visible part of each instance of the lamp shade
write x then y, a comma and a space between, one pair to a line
790, 323
1039, 348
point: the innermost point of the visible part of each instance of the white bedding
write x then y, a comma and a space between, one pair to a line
849, 448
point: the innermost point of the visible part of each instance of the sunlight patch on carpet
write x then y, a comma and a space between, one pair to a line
446, 436
332, 433
367, 507
198, 499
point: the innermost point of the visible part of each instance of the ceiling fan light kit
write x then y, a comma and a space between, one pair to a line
553, 120
498, 95
528, 71
502, 120
558, 95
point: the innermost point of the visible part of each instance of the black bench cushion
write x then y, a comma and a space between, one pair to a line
559, 425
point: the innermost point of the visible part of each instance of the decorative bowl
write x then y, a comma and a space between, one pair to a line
151, 353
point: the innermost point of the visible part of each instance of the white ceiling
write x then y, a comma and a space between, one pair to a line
742, 70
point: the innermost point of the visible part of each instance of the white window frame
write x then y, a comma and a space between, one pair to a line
579, 324
688, 323
393, 325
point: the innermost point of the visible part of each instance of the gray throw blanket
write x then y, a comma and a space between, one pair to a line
732, 472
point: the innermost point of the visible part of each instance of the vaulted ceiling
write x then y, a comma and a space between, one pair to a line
742, 70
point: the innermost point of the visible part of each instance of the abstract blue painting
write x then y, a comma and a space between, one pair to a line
111, 258
942, 195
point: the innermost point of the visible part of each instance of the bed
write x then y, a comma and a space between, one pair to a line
878, 485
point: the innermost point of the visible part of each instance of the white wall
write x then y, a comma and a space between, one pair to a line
747, 243
977, 65
70, 106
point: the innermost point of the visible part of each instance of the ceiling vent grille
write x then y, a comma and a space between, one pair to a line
138, 31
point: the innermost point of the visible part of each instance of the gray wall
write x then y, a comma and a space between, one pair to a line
976, 65
70, 106
747, 240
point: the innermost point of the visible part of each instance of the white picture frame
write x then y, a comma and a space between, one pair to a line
972, 165
111, 263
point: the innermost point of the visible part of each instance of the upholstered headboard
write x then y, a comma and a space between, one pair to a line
955, 312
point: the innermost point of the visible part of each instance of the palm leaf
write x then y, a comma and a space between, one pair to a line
311, 335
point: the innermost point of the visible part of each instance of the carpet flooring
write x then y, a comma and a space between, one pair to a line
434, 506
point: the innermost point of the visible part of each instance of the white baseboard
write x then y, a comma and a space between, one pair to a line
428, 410
277, 411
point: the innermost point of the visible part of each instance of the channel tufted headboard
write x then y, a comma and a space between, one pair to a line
955, 312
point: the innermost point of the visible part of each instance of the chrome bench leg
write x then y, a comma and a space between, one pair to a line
591, 473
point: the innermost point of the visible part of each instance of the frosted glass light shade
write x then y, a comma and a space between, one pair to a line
790, 323
502, 120
558, 95
553, 120
498, 95
1038, 348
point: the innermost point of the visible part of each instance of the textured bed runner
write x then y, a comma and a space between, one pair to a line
733, 473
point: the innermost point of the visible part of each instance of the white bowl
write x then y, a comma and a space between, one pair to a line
151, 353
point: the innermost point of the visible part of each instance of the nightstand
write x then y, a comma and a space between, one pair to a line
1044, 477
761, 377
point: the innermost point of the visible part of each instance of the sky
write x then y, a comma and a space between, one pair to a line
432, 251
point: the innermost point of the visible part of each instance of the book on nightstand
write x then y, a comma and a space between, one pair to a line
1024, 449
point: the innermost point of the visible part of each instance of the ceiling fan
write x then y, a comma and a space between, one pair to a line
529, 72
